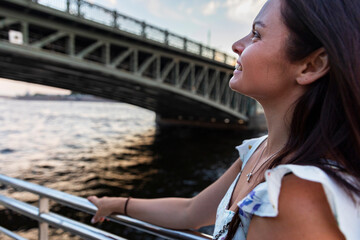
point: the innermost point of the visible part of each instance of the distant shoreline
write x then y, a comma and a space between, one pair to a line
74, 97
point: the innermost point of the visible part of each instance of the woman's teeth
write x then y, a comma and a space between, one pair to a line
238, 67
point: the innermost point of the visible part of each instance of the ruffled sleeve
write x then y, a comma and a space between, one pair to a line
247, 148
263, 200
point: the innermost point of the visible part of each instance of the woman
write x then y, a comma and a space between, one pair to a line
301, 62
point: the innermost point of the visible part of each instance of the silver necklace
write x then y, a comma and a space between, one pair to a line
251, 173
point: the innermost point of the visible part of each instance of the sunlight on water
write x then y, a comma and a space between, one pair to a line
65, 130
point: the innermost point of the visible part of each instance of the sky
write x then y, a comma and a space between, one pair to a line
217, 23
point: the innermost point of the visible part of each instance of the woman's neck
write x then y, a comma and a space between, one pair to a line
278, 112
278, 119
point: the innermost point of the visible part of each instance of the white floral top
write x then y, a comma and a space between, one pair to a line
263, 199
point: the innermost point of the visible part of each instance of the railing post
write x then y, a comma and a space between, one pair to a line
68, 6
214, 54
79, 8
200, 49
166, 38
143, 29
43, 227
185, 44
115, 16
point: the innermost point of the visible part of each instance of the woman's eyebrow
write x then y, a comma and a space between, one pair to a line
259, 23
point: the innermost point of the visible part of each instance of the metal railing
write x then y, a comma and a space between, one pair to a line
128, 24
45, 217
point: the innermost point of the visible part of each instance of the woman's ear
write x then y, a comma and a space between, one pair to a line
313, 67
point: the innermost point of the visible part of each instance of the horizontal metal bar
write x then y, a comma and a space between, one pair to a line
84, 205
159, 231
7, 22
89, 49
11, 234
51, 38
56, 220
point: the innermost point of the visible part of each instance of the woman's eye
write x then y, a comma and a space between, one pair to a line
255, 35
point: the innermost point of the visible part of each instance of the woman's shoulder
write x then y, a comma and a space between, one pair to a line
311, 191
305, 189
304, 212
276, 177
301, 198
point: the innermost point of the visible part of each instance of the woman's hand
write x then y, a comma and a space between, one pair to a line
105, 206
175, 213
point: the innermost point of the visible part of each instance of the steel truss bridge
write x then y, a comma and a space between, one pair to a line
83, 47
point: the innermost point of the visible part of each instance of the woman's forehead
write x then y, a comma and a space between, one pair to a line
270, 13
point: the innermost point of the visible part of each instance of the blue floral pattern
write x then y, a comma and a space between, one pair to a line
256, 202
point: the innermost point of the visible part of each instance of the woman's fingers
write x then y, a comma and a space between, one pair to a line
93, 199
103, 210
93, 220
97, 218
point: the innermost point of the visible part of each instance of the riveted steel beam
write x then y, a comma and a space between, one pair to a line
184, 74
167, 70
200, 78
213, 79
146, 64
7, 22
49, 39
89, 49
224, 86
121, 57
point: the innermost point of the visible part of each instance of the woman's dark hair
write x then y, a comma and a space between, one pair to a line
326, 119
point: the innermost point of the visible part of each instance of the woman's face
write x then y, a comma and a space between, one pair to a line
263, 70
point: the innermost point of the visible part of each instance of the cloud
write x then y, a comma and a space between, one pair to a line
160, 9
112, 2
210, 8
189, 11
243, 10
106, 3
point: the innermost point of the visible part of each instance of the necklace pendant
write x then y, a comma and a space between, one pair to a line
249, 177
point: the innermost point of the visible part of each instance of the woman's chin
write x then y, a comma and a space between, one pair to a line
234, 84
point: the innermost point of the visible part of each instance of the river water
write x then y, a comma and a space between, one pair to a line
104, 148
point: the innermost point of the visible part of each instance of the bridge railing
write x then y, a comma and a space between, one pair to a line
120, 21
45, 218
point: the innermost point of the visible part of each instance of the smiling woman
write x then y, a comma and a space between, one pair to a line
12, 88
265, 69
302, 180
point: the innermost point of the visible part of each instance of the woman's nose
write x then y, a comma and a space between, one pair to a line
238, 46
